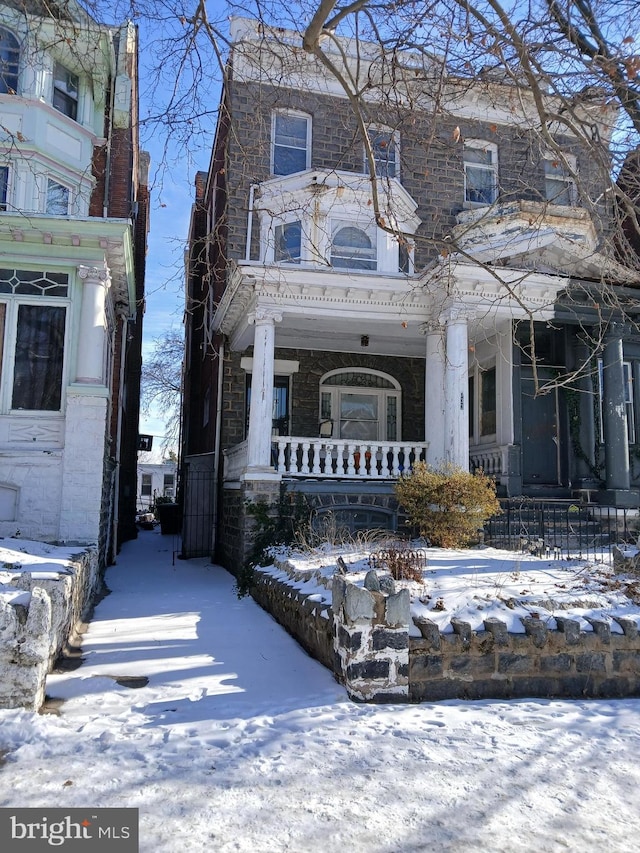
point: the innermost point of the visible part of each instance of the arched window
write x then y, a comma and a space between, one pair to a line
353, 248
361, 405
9, 62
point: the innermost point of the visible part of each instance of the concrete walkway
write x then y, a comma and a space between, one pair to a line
176, 631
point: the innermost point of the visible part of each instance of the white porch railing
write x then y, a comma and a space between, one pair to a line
235, 461
492, 458
338, 458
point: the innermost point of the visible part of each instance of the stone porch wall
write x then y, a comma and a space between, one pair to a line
33, 635
364, 638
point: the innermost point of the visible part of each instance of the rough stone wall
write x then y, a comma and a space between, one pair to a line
310, 622
494, 664
33, 635
378, 661
371, 640
237, 527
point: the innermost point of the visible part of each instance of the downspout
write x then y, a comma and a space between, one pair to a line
116, 496
247, 252
216, 448
111, 99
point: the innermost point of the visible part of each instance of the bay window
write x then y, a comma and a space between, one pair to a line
65, 91
57, 201
559, 185
352, 247
4, 187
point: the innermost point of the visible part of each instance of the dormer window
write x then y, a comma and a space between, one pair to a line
65, 91
352, 247
9, 62
559, 186
384, 147
291, 143
480, 172
288, 243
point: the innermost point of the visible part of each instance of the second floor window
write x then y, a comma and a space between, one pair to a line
57, 203
9, 62
288, 246
291, 143
384, 146
559, 186
65, 91
480, 172
4, 187
353, 248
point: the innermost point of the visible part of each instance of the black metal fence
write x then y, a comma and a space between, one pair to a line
561, 529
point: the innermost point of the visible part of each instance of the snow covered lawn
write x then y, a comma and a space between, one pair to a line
240, 742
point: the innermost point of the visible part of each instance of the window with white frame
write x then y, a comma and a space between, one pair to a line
291, 143
4, 187
288, 243
9, 62
480, 172
559, 186
145, 485
361, 405
32, 330
168, 485
353, 247
57, 200
65, 91
384, 147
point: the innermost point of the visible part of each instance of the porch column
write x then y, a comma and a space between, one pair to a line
614, 421
586, 463
261, 411
93, 323
434, 405
456, 390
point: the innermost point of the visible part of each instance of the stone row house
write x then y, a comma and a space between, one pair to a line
73, 225
339, 328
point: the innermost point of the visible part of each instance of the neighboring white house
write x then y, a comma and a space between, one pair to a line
155, 480
72, 221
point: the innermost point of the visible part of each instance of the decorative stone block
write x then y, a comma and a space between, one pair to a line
429, 630
536, 629
398, 608
498, 629
384, 638
570, 628
358, 603
601, 629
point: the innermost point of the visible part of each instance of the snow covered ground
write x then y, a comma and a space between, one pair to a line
240, 742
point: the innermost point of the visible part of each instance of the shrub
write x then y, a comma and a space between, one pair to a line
448, 505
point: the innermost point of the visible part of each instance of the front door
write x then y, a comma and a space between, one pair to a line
540, 431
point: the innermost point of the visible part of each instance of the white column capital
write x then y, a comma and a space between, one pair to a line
96, 275
264, 316
455, 314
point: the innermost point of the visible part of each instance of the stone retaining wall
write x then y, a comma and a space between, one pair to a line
365, 637
35, 628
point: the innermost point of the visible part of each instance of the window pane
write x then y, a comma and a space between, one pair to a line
384, 153
392, 419
37, 379
352, 248
145, 488
558, 192
4, 186
65, 91
9, 62
478, 155
290, 144
359, 416
57, 199
288, 246
480, 185
488, 402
